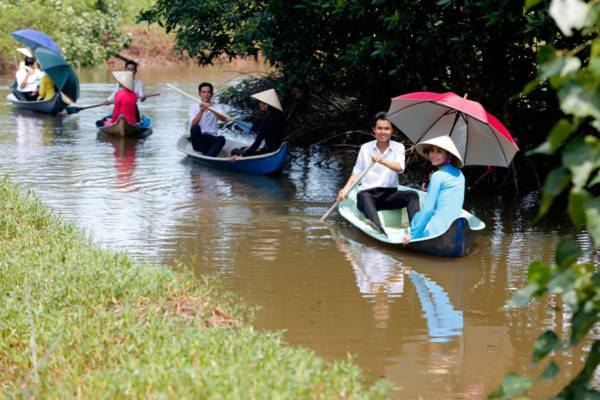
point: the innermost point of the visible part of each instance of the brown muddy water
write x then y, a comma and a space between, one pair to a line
433, 327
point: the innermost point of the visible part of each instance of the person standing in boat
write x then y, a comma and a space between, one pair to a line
379, 187
446, 189
203, 123
125, 99
28, 77
138, 86
270, 129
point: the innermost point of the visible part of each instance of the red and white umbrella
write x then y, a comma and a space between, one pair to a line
479, 137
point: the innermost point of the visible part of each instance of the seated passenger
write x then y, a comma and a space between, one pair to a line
446, 189
28, 77
47, 89
125, 99
379, 187
270, 129
203, 129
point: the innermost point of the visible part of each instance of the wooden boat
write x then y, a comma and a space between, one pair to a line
125, 129
455, 242
53, 106
269, 163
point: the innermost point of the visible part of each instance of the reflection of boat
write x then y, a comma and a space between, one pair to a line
125, 153
455, 242
269, 163
53, 106
377, 272
125, 129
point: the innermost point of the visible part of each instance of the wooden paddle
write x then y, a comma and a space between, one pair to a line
244, 125
356, 182
75, 110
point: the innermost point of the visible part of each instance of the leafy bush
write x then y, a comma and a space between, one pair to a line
575, 76
88, 32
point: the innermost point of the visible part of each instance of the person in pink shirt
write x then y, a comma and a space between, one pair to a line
125, 99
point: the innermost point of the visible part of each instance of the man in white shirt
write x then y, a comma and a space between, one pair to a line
379, 187
203, 123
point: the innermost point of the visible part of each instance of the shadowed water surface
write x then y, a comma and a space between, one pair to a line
433, 327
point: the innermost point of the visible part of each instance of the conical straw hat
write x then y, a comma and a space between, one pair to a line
269, 97
125, 78
26, 51
444, 142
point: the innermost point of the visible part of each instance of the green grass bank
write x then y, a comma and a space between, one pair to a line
77, 321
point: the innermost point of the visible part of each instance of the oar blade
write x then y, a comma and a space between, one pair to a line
72, 110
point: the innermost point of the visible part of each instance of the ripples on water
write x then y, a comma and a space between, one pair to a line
432, 326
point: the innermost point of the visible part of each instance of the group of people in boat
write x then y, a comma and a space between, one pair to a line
31, 83
203, 118
379, 186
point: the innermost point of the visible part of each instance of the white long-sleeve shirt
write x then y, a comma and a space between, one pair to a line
379, 175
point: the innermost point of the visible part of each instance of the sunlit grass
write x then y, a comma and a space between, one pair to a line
80, 321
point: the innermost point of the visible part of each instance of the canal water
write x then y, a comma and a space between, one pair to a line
433, 327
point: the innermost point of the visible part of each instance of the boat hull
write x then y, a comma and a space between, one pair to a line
123, 128
265, 164
457, 241
53, 106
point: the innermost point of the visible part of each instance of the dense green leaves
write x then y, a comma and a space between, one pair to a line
556, 182
575, 75
567, 253
375, 49
550, 371
544, 344
512, 385
88, 32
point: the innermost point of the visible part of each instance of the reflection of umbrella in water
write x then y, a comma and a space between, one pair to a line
35, 40
59, 70
479, 137
442, 319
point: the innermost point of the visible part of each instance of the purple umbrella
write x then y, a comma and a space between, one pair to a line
35, 39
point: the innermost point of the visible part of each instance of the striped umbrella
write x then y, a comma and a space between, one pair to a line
479, 137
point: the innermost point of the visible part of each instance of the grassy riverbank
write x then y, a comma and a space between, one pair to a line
79, 321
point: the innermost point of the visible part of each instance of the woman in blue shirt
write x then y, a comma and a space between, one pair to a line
446, 190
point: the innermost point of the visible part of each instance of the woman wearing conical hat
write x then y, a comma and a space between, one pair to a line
446, 189
269, 130
125, 99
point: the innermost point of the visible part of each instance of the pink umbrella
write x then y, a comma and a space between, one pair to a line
479, 137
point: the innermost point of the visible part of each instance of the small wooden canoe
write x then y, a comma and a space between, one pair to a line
125, 129
455, 242
53, 106
269, 163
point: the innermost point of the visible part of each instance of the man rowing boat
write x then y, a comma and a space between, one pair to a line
379, 187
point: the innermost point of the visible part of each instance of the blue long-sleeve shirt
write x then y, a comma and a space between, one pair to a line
443, 203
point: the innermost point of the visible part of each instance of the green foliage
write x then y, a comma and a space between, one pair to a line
88, 31
79, 321
374, 48
575, 76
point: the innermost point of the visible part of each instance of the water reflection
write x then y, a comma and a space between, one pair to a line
124, 156
380, 277
434, 327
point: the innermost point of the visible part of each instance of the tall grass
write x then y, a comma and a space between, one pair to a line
80, 321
